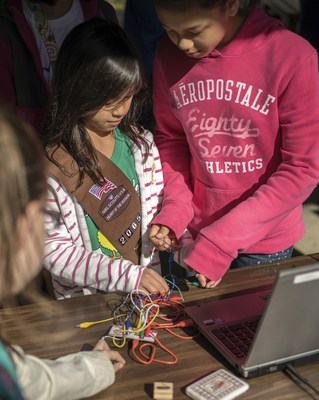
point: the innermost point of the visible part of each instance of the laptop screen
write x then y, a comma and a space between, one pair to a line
287, 327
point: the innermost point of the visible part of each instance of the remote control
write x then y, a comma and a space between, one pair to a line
219, 385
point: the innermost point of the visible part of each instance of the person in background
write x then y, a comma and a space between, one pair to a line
144, 29
31, 33
236, 102
23, 192
106, 181
309, 28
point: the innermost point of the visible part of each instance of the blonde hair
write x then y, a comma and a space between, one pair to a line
22, 179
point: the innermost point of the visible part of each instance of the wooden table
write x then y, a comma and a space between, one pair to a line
134, 382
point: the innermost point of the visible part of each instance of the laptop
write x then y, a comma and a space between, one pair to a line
263, 331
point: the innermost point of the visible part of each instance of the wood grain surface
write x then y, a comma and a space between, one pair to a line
53, 333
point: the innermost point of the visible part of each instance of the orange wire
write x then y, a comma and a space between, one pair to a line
180, 336
151, 357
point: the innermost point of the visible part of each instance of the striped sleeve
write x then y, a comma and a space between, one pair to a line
68, 254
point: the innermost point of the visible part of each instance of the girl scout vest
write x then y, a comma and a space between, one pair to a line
113, 205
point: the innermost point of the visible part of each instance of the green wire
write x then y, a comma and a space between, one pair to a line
174, 285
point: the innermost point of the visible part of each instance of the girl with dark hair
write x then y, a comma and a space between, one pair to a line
106, 181
238, 116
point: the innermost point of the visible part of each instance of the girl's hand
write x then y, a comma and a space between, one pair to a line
205, 283
163, 238
152, 282
116, 358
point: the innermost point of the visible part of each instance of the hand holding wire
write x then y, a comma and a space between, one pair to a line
163, 238
149, 313
143, 312
152, 282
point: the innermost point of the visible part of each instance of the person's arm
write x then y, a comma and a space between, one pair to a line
170, 139
27, 98
286, 189
74, 376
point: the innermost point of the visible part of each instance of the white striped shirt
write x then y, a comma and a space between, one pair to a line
75, 268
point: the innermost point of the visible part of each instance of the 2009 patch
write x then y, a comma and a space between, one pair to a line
130, 230
115, 203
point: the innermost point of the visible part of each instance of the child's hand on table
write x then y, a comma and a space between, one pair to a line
205, 282
116, 358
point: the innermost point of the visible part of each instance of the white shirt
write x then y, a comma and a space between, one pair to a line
60, 28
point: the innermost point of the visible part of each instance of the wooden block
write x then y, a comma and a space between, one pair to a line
163, 391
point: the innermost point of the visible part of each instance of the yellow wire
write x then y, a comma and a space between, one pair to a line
143, 328
123, 340
88, 324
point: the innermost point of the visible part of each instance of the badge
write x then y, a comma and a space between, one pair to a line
115, 203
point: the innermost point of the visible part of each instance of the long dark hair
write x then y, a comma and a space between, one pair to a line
96, 66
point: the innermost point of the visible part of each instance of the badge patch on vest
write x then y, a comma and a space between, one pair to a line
98, 190
115, 203
130, 230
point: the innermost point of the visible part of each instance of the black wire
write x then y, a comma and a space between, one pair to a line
292, 370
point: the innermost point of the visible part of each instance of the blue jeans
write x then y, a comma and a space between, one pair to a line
243, 260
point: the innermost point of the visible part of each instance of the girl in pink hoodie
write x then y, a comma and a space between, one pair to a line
236, 101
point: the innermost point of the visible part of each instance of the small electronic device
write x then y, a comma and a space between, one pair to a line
219, 385
117, 331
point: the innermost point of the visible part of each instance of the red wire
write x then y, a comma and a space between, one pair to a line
151, 357
180, 336
152, 347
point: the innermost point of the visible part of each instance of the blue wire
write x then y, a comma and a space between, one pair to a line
175, 286
170, 273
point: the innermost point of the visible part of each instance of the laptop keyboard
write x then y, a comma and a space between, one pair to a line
237, 337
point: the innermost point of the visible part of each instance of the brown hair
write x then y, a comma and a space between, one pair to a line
22, 179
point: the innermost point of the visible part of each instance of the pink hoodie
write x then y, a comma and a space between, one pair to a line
242, 126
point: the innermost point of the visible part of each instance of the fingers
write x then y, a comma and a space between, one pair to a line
174, 245
152, 282
163, 238
205, 283
201, 279
212, 284
117, 360
101, 345
162, 244
158, 231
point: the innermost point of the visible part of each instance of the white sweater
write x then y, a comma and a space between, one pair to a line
75, 376
75, 268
